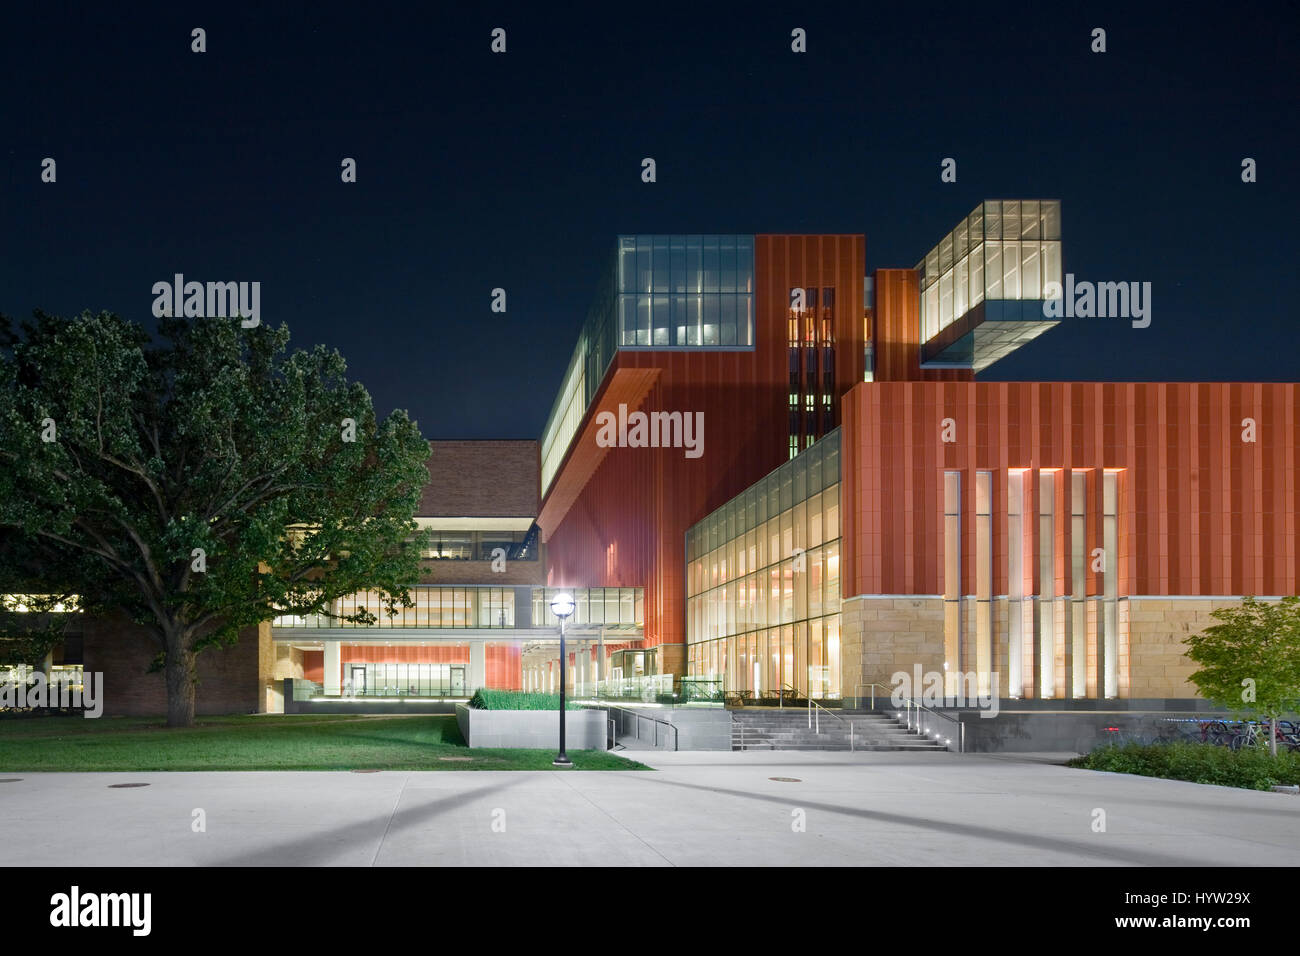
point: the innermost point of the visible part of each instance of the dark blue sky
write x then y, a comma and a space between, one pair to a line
478, 171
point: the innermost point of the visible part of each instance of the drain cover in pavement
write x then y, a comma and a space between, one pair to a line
125, 786
11, 780
365, 771
786, 779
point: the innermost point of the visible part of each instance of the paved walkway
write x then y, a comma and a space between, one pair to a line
884, 809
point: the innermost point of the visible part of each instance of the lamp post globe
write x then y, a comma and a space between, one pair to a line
562, 607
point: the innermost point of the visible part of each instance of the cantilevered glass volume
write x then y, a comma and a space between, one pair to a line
982, 286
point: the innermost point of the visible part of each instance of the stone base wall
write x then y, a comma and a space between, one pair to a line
882, 635
885, 634
1157, 628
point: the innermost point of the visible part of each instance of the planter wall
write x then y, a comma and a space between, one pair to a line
533, 729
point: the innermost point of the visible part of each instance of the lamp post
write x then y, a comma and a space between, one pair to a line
562, 606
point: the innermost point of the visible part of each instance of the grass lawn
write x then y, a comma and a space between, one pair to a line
295, 742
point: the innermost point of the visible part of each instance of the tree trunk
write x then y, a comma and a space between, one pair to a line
181, 688
1272, 736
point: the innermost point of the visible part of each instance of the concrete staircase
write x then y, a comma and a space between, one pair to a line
771, 728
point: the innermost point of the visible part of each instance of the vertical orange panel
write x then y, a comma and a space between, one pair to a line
1191, 521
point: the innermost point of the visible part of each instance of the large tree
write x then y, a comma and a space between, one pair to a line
1250, 660
203, 481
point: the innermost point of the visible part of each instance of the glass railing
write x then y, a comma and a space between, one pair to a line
306, 689
453, 688
645, 689
701, 690
653, 689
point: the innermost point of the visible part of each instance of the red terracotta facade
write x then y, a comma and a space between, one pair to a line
1202, 511
628, 523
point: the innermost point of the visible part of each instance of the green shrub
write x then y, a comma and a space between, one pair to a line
485, 699
1252, 768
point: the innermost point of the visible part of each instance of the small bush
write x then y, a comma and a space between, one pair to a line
1252, 768
485, 699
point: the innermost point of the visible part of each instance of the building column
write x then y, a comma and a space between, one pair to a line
477, 665
333, 668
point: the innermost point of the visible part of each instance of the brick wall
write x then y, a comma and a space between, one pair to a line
482, 479
480, 572
230, 678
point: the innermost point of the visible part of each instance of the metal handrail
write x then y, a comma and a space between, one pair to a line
873, 685
913, 704
817, 713
655, 720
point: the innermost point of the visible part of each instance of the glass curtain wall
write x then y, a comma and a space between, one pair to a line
591, 357
592, 606
437, 607
370, 679
444, 545
686, 291
763, 582
478, 607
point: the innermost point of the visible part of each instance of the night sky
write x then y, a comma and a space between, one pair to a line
478, 170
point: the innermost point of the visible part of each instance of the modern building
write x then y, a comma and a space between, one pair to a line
1051, 544
769, 470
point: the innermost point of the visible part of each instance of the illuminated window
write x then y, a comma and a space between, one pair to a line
1078, 584
50, 603
952, 644
1047, 637
984, 579
1020, 651
1110, 581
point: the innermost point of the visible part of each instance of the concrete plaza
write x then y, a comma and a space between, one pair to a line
699, 808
